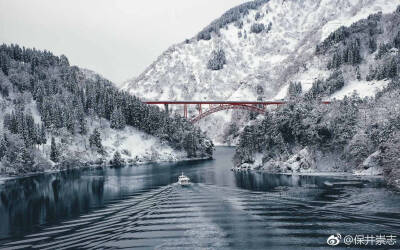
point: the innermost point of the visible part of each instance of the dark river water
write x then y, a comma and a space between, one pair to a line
143, 208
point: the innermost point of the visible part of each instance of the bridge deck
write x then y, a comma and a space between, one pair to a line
223, 102
214, 102
215, 106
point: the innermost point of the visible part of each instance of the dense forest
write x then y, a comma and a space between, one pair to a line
233, 15
67, 101
350, 134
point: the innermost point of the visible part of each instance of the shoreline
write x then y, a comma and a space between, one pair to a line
390, 186
5, 177
334, 174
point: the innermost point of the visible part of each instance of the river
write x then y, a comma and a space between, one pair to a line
142, 207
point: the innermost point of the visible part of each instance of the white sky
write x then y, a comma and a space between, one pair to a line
116, 38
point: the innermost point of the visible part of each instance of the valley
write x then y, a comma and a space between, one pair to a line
275, 126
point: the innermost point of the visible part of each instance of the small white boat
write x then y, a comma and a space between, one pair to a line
183, 180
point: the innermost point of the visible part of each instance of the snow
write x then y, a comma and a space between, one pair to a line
34, 111
282, 93
269, 60
363, 88
135, 146
258, 159
301, 162
140, 146
385, 6
371, 165
90, 74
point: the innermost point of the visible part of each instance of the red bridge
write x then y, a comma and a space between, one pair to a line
215, 106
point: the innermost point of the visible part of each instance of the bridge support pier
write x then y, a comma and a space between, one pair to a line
166, 108
185, 111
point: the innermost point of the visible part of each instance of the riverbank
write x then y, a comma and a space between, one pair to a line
75, 165
309, 162
133, 146
393, 182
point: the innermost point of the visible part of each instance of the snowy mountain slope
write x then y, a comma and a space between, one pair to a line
352, 134
258, 65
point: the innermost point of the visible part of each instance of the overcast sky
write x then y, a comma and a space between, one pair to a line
116, 38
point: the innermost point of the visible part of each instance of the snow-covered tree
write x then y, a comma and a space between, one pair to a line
117, 120
294, 89
54, 152
82, 125
233, 15
95, 141
3, 146
217, 60
257, 28
66, 98
117, 160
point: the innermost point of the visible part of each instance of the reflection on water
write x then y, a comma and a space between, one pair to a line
142, 207
28, 202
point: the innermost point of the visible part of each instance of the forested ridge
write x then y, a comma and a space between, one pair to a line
352, 134
68, 100
233, 15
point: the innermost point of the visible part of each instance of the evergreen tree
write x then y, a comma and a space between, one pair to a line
4, 90
396, 41
27, 159
70, 121
64, 60
42, 136
117, 120
37, 140
383, 49
18, 160
372, 45
3, 146
95, 141
54, 153
82, 125
189, 145
257, 28
358, 75
294, 89
117, 160
356, 58
319, 88
392, 69
4, 63
217, 60
269, 26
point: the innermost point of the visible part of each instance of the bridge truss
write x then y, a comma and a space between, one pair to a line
216, 106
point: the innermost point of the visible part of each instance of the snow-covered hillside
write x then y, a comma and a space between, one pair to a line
54, 114
136, 147
258, 65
